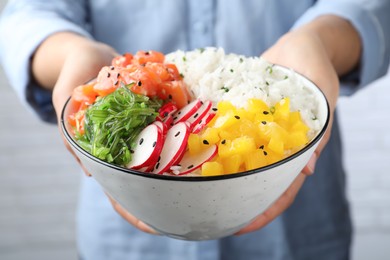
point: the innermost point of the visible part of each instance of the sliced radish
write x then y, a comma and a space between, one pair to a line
149, 144
165, 110
191, 162
200, 113
187, 111
202, 123
168, 121
162, 126
174, 147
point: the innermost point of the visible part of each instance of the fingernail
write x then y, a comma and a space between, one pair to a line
311, 165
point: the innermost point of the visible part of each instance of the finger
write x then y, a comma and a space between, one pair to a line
311, 165
277, 208
130, 218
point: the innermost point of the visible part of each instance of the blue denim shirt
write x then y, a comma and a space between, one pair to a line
317, 225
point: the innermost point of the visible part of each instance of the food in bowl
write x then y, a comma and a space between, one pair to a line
191, 206
193, 113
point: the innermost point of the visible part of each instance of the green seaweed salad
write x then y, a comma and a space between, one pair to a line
113, 122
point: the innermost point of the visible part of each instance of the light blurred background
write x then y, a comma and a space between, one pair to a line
39, 180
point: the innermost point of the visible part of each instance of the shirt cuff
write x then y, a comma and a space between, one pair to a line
370, 24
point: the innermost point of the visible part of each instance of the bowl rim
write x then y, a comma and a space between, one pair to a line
180, 178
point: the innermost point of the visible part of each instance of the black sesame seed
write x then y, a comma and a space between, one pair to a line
117, 75
139, 83
177, 134
154, 144
190, 166
116, 83
157, 165
264, 122
166, 114
147, 53
223, 141
196, 115
159, 158
112, 68
179, 112
131, 151
108, 74
175, 118
265, 153
141, 141
261, 147
170, 96
205, 142
237, 117
265, 112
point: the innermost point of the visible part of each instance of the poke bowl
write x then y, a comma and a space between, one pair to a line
196, 178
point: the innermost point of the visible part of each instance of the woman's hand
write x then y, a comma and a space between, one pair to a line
321, 51
65, 61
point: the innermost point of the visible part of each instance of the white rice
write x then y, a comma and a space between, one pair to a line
213, 75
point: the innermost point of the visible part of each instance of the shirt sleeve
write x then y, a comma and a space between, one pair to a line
372, 20
24, 24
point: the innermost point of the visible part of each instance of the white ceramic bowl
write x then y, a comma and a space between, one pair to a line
200, 208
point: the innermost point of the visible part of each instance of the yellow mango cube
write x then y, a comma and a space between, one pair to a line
282, 109
296, 140
299, 126
225, 107
212, 169
294, 117
243, 145
255, 160
272, 157
210, 136
229, 134
264, 117
229, 119
245, 114
247, 127
232, 163
276, 145
272, 129
224, 148
257, 106
194, 144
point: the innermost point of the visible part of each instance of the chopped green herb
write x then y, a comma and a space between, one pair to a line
269, 69
225, 89
241, 60
286, 77
272, 110
184, 58
201, 50
231, 70
181, 75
